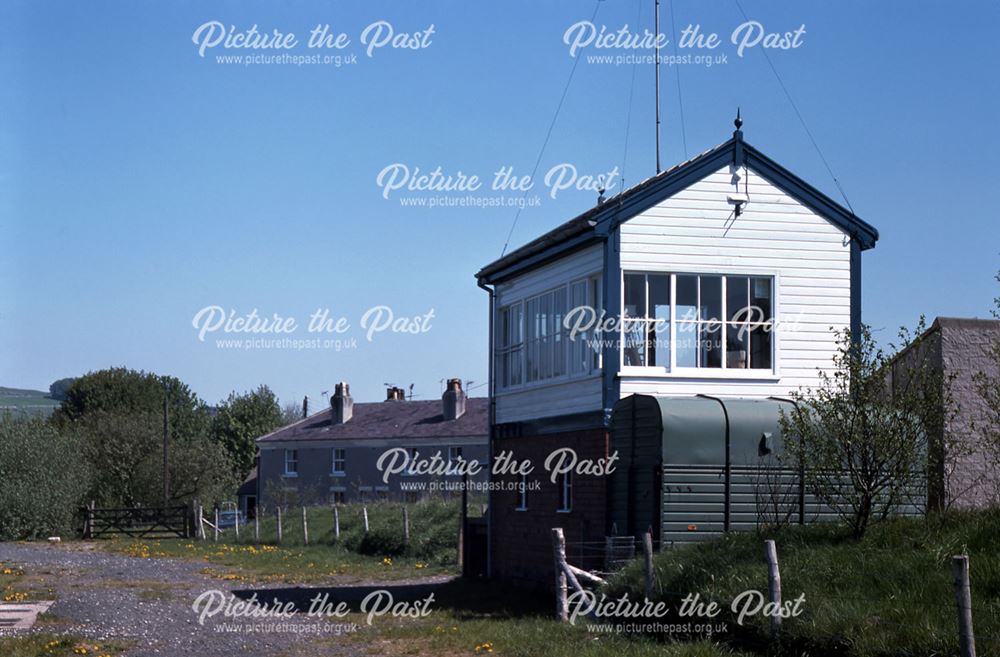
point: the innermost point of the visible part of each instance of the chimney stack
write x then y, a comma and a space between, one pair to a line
392, 393
453, 400
341, 403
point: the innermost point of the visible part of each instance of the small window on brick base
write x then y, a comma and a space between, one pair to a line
565, 492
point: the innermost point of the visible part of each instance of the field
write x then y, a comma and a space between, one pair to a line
29, 402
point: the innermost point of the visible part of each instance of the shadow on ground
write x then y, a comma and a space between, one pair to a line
467, 598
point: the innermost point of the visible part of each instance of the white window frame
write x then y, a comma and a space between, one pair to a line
338, 489
334, 470
565, 493
508, 352
522, 494
294, 460
723, 372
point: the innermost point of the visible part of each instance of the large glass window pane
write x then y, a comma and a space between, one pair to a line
635, 295
737, 297
686, 344
711, 298
760, 348
737, 346
687, 298
634, 342
760, 299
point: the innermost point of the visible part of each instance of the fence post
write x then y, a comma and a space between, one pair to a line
364, 512
336, 522
236, 527
88, 525
647, 551
406, 526
773, 582
201, 522
256, 525
963, 599
305, 527
215, 535
559, 550
279, 522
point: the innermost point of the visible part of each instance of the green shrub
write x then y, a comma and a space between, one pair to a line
43, 480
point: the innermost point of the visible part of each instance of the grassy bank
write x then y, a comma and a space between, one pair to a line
888, 594
380, 554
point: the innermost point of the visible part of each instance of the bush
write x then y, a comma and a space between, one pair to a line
43, 480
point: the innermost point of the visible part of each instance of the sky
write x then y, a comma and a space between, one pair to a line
144, 179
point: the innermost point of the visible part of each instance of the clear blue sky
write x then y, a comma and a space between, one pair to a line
140, 182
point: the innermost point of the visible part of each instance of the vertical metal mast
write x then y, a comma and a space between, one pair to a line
656, 68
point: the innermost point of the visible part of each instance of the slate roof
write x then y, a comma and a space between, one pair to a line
389, 419
592, 225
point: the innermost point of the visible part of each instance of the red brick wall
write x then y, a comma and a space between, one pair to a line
522, 540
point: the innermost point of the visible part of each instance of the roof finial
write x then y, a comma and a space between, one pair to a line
738, 122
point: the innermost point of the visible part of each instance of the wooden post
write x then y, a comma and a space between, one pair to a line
305, 528
256, 525
364, 512
559, 553
215, 535
236, 527
201, 523
647, 551
773, 581
406, 526
88, 524
963, 600
279, 522
336, 522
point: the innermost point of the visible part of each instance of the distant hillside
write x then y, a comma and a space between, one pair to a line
32, 402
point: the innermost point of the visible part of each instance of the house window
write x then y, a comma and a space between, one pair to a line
411, 497
565, 492
291, 462
337, 494
533, 343
381, 493
455, 460
717, 321
522, 494
339, 462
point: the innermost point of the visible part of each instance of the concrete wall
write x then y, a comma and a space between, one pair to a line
967, 349
316, 482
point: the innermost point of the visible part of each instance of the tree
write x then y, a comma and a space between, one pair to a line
290, 413
127, 457
57, 390
864, 435
241, 420
987, 426
42, 480
124, 392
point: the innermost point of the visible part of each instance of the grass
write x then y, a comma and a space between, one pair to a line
250, 564
887, 595
50, 645
381, 554
471, 617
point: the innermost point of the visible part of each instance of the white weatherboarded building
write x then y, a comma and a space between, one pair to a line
725, 275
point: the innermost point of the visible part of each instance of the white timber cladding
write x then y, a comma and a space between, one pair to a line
776, 236
808, 257
569, 394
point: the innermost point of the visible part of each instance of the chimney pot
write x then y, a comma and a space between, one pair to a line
341, 403
453, 400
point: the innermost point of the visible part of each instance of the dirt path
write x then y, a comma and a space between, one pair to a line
104, 596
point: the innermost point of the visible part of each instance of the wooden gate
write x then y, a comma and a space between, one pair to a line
138, 522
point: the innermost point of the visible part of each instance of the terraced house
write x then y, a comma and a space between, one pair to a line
716, 284
333, 456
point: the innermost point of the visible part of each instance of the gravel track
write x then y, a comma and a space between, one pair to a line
147, 602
